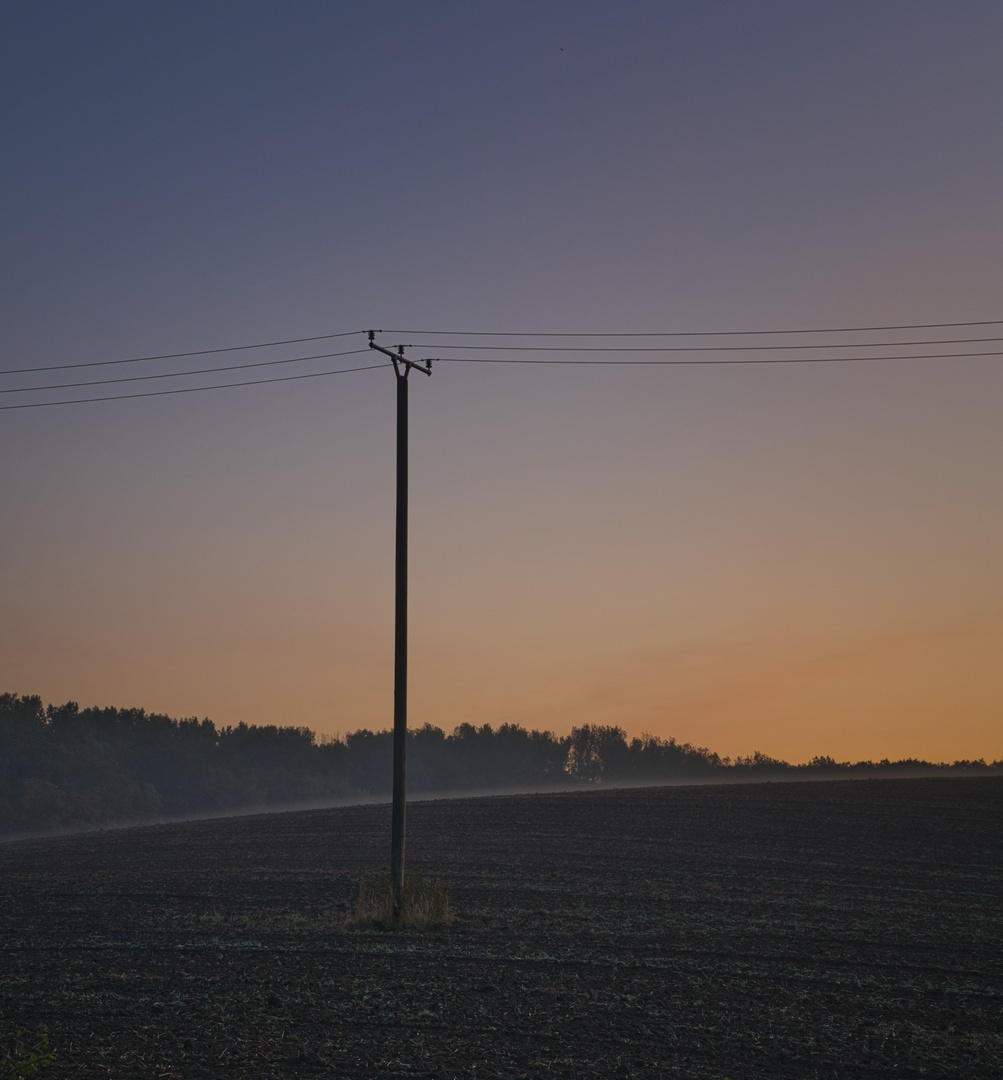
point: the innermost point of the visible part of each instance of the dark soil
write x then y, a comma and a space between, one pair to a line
845, 929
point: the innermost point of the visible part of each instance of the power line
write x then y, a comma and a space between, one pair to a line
180, 355
181, 374
705, 363
192, 389
509, 333
700, 348
611, 348
696, 333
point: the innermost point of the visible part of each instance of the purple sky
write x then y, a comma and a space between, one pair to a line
797, 559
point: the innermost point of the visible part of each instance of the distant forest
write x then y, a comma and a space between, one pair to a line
62, 766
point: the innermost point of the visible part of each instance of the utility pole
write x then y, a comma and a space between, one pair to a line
402, 368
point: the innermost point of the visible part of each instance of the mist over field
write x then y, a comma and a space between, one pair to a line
65, 768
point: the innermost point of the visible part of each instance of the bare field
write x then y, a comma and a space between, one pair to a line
845, 929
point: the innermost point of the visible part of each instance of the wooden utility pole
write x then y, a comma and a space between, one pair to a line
402, 368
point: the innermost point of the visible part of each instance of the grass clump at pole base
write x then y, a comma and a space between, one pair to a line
423, 904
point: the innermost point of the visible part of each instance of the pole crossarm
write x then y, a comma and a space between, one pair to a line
402, 366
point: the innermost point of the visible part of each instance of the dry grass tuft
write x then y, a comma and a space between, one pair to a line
424, 904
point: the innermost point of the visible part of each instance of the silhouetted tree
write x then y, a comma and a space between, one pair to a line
597, 753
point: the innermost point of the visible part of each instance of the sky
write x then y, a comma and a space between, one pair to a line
801, 559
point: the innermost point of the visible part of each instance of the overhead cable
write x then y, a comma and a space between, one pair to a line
705, 363
697, 333
697, 348
610, 348
180, 355
180, 374
508, 333
191, 389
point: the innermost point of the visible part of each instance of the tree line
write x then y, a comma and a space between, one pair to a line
62, 766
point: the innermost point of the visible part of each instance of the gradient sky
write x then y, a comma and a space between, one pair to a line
800, 559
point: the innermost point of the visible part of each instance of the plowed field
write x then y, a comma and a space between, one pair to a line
848, 929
